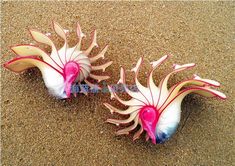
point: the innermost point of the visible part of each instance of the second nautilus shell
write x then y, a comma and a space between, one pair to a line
157, 109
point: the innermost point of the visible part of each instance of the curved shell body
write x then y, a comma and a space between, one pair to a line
62, 68
157, 109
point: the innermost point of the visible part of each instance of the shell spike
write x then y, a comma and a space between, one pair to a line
93, 43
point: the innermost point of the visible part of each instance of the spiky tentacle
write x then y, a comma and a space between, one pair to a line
23, 63
44, 39
142, 89
24, 50
151, 85
131, 102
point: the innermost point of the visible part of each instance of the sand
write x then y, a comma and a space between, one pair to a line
37, 129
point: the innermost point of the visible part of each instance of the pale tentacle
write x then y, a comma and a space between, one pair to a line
124, 121
102, 67
99, 78
80, 36
129, 110
30, 50
99, 55
128, 129
92, 45
42, 38
151, 85
143, 90
60, 31
131, 102
208, 81
77, 47
133, 94
22, 63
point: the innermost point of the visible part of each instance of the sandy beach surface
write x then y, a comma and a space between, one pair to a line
37, 129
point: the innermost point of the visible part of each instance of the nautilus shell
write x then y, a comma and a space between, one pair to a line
157, 109
61, 68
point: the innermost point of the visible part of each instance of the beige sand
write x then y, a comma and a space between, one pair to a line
37, 129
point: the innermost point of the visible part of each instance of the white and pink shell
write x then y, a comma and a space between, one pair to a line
157, 109
62, 68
